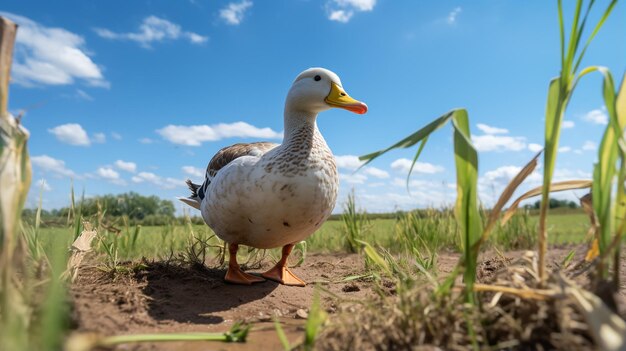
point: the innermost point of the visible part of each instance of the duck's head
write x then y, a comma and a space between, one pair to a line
318, 89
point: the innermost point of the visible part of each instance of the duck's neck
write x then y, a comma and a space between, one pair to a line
300, 128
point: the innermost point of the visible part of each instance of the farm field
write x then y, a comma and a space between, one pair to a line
164, 241
507, 233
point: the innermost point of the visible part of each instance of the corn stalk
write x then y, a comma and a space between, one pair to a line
466, 208
15, 177
560, 91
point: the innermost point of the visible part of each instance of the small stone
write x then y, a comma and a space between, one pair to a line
277, 313
302, 314
264, 317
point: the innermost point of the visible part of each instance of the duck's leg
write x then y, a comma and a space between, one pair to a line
280, 273
234, 274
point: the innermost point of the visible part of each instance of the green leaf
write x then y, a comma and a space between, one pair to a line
281, 335
411, 139
466, 209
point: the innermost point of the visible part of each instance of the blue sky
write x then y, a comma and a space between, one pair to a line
138, 95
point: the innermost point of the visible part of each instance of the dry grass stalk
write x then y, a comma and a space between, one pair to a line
537, 294
80, 247
505, 197
519, 311
554, 187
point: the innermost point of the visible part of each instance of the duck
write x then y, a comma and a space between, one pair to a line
267, 195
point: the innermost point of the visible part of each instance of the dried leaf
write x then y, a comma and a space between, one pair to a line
554, 187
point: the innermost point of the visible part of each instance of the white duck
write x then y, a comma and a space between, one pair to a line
267, 195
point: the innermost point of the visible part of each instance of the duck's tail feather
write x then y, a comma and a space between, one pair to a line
191, 201
193, 187
197, 194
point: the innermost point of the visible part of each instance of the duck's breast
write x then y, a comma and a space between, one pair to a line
256, 202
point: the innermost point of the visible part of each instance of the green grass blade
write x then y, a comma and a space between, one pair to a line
417, 155
466, 209
374, 257
595, 31
411, 139
573, 40
605, 171
620, 108
316, 319
554, 117
281, 335
237, 333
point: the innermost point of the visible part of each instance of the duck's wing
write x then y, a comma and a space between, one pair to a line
230, 153
219, 161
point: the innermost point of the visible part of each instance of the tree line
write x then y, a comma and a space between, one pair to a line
133, 207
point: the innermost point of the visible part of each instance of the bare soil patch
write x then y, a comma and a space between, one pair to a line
165, 298
162, 298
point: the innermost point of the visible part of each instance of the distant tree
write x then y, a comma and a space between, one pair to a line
131, 204
556, 203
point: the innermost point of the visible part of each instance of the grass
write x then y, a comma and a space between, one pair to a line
161, 242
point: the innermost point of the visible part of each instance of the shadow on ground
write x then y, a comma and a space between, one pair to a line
194, 295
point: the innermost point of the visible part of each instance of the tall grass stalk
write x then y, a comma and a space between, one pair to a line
560, 91
355, 224
607, 171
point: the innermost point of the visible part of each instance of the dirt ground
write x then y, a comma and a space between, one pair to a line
163, 298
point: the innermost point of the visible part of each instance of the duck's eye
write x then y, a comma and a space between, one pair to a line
317, 78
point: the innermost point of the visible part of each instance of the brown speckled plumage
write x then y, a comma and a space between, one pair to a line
229, 153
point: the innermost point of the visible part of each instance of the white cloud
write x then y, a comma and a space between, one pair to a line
597, 116
500, 177
196, 135
453, 15
535, 147
234, 12
52, 165
340, 16
71, 133
163, 183
404, 165
562, 174
354, 178
116, 136
376, 172
589, 145
108, 173
153, 29
343, 10
567, 124
498, 143
350, 162
491, 130
361, 5
565, 149
51, 56
99, 138
193, 171
146, 141
126, 166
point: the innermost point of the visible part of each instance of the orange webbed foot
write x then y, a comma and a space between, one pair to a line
283, 275
237, 276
